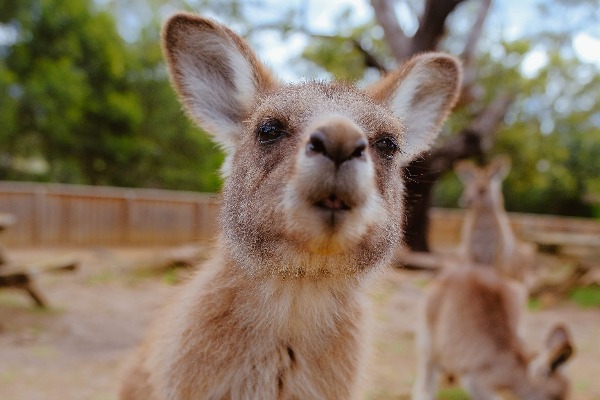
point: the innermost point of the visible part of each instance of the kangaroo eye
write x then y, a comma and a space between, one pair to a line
270, 131
387, 147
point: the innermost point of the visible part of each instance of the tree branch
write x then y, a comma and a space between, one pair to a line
432, 25
394, 35
370, 59
487, 122
468, 54
422, 173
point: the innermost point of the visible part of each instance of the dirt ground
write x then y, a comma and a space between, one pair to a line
76, 349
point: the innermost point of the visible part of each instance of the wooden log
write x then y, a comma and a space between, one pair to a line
20, 276
419, 260
62, 264
22, 280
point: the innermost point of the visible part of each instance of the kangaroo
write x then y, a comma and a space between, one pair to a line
311, 209
487, 237
470, 329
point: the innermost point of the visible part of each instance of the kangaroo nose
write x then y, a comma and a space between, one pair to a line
337, 144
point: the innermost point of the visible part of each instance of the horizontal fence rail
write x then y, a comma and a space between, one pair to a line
445, 226
57, 214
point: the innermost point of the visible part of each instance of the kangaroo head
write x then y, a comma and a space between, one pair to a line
482, 185
546, 369
313, 171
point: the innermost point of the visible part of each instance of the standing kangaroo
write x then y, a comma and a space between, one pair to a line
470, 329
487, 237
311, 208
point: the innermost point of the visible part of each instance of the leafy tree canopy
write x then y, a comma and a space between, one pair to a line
93, 108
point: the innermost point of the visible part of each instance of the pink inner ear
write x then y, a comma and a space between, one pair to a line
215, 72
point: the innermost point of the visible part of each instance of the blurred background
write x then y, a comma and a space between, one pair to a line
85, 97
95, 152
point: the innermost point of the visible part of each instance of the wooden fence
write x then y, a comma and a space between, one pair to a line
52, 214
446, 224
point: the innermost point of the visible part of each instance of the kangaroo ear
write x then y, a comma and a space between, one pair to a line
499, 168
466, 170
559, 347
422, 93
215, 73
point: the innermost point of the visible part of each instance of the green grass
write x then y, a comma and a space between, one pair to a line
586, 296
534, 304
170, 277
452, 394
44, 352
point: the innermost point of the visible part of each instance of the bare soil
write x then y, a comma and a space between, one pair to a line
76, 349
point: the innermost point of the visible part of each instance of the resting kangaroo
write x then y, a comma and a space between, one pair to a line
311, 208
470, 330
487, 237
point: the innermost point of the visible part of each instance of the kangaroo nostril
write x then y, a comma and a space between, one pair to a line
336, 145
316, 143
359, 151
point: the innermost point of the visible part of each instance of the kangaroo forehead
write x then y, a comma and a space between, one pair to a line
299, 104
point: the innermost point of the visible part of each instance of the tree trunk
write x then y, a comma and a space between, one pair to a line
422, 174
474, 140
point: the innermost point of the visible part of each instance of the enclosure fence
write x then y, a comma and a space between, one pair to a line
57, 214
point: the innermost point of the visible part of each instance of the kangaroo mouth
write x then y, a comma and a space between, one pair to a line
332, 203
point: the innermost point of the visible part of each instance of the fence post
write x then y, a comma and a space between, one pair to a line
128, 222
37, 215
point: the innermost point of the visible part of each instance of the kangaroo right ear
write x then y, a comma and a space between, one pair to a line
559, 346
215, 73
499, 168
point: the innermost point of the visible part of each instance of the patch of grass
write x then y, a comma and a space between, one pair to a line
586, 296
9, 376
43, 351
452, 394
422, 283
582, 386
14, 298
170, 277
399, 347
103, 277
534, 304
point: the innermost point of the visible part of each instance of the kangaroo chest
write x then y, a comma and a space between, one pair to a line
486, 242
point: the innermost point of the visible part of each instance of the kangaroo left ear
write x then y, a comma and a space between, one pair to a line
216, 74
422, 93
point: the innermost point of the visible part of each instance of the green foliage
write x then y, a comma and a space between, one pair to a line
340, 55
97, 110
452, 394
586, 296
552, 132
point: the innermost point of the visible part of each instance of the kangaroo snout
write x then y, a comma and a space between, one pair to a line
339, 141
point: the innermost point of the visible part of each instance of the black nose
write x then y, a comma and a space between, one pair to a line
338, 148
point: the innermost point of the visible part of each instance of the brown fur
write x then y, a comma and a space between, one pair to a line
470, 330
487, 237
311, 210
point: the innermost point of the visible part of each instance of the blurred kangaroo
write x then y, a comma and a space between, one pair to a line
487, 237
311, 209
470, 330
